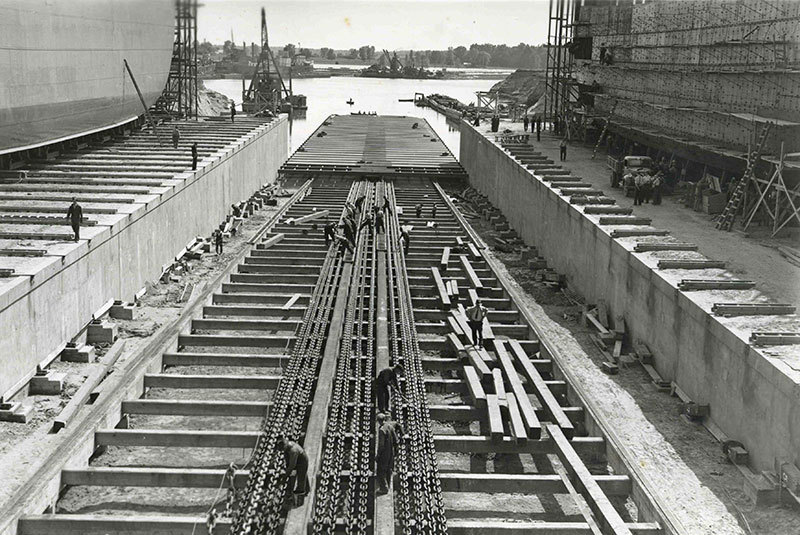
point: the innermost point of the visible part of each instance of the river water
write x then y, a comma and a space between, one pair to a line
327, 96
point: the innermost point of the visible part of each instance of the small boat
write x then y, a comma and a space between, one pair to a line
351, 102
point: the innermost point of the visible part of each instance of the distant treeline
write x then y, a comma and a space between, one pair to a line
521, 56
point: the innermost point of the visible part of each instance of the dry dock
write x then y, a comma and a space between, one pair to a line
497, 438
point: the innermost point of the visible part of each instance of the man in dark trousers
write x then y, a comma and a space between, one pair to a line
418, 210
233, 110
176, 137
405, 239
379, 222
360, 202
433, 211
218, 241
329, 231
563, 147
602, 53
539, 130
525, 123
475, 316
387, 378
296, 461
390, 435
194, 156
75, 216
387, 206
369, 220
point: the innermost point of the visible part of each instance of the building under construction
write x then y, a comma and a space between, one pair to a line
693, 82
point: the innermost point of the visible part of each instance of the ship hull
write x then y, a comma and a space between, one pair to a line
62, 64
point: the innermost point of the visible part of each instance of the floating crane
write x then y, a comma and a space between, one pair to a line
267, 91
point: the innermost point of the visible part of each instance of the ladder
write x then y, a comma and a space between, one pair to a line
605, 128
725, 221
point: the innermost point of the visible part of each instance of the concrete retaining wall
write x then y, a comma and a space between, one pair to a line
754, 399
49, 309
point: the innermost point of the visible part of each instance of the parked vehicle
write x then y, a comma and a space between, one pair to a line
625, 169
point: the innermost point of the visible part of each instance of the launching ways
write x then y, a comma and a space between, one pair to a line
496, 440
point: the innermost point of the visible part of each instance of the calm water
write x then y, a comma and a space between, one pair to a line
327, 96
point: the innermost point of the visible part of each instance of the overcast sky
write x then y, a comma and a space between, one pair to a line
392, 24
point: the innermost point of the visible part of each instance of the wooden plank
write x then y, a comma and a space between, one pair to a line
478, 363
455, 326
454, 290
542, 391
499, 386
272, 240
534, 427
495, 419
594, 321
474, 251
474, 387
445, 259
517, 425
79, 399
452, 338
101, 524
586, 484
443, 297
113, 476
291, 302
472, 277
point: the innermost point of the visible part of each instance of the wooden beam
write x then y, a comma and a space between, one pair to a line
546, 397
100, 524
443, 297
587, 485
176, 438
113, 476
472, 277
474, 387
176, 407
613, 485
534, 427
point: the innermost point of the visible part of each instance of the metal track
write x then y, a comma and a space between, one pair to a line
344, 488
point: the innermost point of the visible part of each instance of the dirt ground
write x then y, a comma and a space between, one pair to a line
24, 446
683, 460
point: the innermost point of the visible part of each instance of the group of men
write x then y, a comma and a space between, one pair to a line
526, 122
389, 436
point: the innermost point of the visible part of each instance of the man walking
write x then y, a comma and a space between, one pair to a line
475, 316
563, 147
176, 137
296, 461
194, 156
218, 241
329, 232
379, 226
389, 437
525, 123
233, 110
539, 130
405, 239
418, 210
386, 379
75, 216
433, 211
